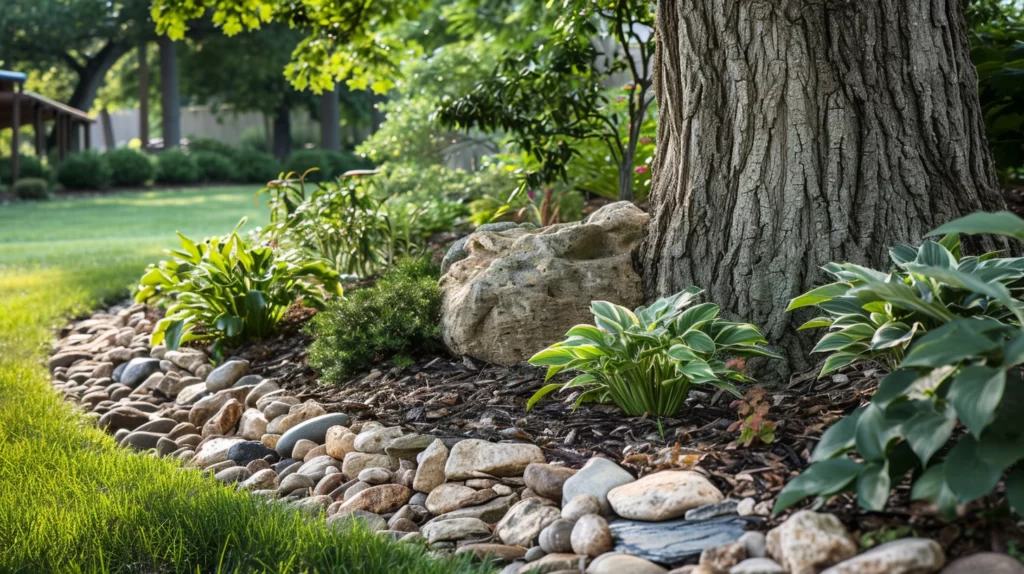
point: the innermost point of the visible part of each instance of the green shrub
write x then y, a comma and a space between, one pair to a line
196, 145
951, 328
32, 188
214, 166
28, 166
129, 166
176, 167
397, 317
255, 139
252, 166
229, 291
647, 361
302, 160
340, 221
343, 161
84, 170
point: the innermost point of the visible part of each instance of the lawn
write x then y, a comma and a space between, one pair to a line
70, 500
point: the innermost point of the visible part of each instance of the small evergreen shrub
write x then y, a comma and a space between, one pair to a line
32, 188
211, 145
129, 167
84, 170
28, 166
254, 166
176, 166
214, 166
399, 316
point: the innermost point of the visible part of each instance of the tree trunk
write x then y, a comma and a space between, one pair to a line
109, 142
330, 120
797, 132
143, 95
170, 98
282, 131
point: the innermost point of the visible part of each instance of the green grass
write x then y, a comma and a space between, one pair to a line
70, 500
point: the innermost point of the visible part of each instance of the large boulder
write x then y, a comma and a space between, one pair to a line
519, 290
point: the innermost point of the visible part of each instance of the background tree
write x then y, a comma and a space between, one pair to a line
792, 134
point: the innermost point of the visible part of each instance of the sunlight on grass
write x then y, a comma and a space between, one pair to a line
70, 500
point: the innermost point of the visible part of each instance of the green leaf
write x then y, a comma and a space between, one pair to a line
900, 295
873, 486
681, 353
949, 344
229, 324
931, 486
541, 393
902, 254
975, 394
873, 433
891, 334
611, 317
1015, 489
816, 323
892, 387
173, 333
699, 341
552, 356
928, 430
699, 371
838, 438
739, 334
587, 332
837, 361
819, 295
820, 479
696, 316
969, 476
998, 223
931, 254
968, 281
951, 242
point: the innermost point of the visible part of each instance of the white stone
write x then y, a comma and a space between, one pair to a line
663, 495
807, 542
480, 459
904, 556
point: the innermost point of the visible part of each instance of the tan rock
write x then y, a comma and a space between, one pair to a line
448, 497
524, 522
904, 556
356, 462
663, 495
722, 558
379, 499
480, 459
808, 541
591, 536
507, 294
430, 473
252, 425
340, 441
225, 420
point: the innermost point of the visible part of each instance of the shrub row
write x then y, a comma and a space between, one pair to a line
205, 161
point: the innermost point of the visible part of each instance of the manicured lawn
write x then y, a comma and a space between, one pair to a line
70, 500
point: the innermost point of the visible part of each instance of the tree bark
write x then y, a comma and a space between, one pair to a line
793, 133
109, 141
170, 98
143, 58
282, 133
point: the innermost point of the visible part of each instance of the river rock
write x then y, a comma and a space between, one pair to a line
295, 481
524, 522
591, 536
339, 441
714, 510
260, 480
489, 512
754, 542
904, 556
368, 520
141, 440
519, 290
226, 375
225, 419
479, 458
448, 497
123, 418
138, 370
244, 452
808, 541
556, 537
191, 393
597, 477
213, 451
674, 541
314, 429
619, 563
233, 475
581, 506
430, 473
558, 563
547, 480
757, 566
374, 440
985, 562
317, 467
302, 448
252, 425
406, 447
356, 462
455, 529
379, 499
663, 495
501, 552
722, 558
375, 476
260, 390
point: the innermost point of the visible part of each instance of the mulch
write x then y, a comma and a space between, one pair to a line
443, 395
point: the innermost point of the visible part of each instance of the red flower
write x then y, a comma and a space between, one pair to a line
641, 169
645, 140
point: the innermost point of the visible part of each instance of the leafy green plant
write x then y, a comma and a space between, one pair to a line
214, 166
753, 426
874, 315
28, 166
342, 222
32, 188
254, 166
546, 207
84, 170
176, 167
647, 361
204, 144
229, 291
397, 317
961, 366
129, 166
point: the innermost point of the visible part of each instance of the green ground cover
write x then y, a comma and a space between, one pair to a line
70, 500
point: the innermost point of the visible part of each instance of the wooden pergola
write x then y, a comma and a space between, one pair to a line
19, 107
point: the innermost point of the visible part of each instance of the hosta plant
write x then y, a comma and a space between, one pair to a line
647, 361
229, 291
876, 315
965, 369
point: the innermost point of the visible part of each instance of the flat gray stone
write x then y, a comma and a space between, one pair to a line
315, 429
674, 541
714, 510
